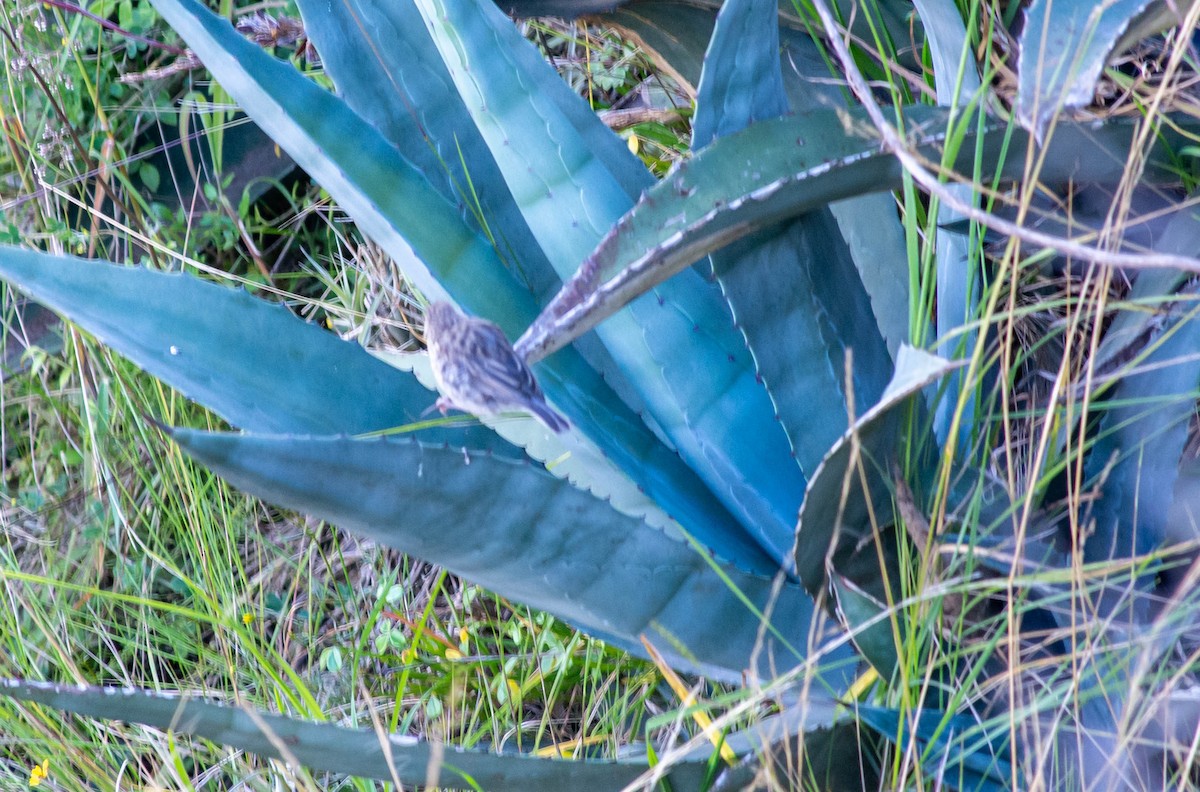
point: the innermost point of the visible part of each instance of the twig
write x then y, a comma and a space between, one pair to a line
894, 143
63, 4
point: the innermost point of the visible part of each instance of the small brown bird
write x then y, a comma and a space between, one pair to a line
477, 370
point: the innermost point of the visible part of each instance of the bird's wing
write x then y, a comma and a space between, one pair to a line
501, 365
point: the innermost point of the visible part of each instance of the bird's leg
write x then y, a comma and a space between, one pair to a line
442, 405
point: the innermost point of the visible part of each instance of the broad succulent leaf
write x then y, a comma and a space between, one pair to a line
869, 624
1152, 292
1146, 421
784, 287
441, 255
573, 179
742, 81
1143, 431
677, 33
388, 71
852, 484
957, 82
1065, 44
325, 747
793, 289
524, 111
256, 364
797, 164
521, 532
955, 749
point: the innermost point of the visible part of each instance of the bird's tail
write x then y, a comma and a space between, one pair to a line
546, 414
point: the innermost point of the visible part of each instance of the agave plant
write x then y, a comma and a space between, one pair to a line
760, 468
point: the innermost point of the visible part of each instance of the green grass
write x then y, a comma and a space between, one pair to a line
123, 563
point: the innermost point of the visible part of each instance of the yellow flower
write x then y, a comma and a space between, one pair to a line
39, 773
247, 617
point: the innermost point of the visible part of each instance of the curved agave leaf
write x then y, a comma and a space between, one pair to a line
1144, 430
742, 81
572, 179
872, 628
676, 34
956, 749
325, 747
793, 290
388, 71
852, 483
797, 297
537, 540
394, 203
579, 463
780, 169
1152, 290
1066, 42
957, 83
256, 364
1146, 427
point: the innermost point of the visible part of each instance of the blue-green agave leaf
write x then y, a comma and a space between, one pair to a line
797, 297
871, 230
256, 364
441, 255
676, 34
871, 627
1146, 428
573, 179
524, 111
1142, 436
793, 289
956, 749
525, 534
957, 82
1152, 291
955, 76
387, 70
776, 170
1065, 44
853, 482
328, 748
742, 81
